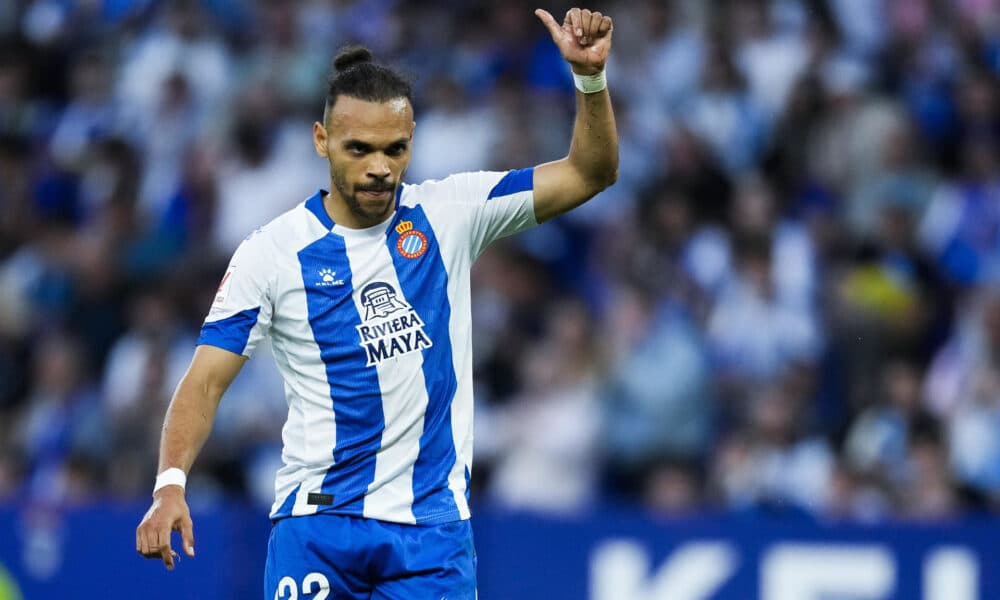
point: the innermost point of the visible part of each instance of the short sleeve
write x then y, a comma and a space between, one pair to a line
501, 203
241, 313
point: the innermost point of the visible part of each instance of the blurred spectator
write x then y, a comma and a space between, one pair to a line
90, 116
657, 402
755, 333
878, 441
854, 497
960, 228
929, 492
60, 429
269, 167
903, 181
771, 59
20, 114
180, 41
17, 220
963, 389
772, 462
549, 432
669, 44
142, 369
725, 116
453, 134
673, 489
285, 60
164, 137
848, 139
891, 301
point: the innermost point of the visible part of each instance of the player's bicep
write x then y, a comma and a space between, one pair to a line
560, 187
212, 371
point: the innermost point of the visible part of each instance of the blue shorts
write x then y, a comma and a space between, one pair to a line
362, 559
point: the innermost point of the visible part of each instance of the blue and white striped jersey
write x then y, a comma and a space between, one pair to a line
370, 329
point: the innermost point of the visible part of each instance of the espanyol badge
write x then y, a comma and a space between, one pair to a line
412, 242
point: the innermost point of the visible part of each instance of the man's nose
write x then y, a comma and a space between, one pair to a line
379, 167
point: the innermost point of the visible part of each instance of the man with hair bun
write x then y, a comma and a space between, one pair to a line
364, 292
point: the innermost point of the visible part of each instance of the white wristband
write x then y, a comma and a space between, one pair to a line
590, 84
171, 476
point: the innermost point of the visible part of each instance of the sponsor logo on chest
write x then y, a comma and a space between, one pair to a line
390, 327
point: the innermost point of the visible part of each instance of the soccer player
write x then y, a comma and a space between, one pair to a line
364, 291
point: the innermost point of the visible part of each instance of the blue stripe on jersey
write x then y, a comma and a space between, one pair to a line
425, 283
315, 206
513, 182
231, 333
285, 510
468, 485
354, 388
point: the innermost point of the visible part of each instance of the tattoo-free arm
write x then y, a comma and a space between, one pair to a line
192, 411
584, 39
186, 427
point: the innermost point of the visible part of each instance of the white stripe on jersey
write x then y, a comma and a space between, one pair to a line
390, 496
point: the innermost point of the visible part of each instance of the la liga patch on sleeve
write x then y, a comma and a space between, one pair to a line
224, 286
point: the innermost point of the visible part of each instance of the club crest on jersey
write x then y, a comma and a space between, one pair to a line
412, 243
391, 327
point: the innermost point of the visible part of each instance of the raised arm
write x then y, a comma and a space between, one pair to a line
584, 39
186, 427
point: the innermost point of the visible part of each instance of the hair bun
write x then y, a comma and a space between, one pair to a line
350, 56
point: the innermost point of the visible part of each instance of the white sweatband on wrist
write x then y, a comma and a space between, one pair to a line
590, 84
171, 476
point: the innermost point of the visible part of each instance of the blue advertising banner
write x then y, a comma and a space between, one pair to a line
605, 555
620, 555
90, 553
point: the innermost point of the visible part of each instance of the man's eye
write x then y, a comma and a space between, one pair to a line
396, 150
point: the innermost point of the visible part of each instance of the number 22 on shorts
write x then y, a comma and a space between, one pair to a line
313, 583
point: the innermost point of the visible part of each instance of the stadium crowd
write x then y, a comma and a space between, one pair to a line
790, 301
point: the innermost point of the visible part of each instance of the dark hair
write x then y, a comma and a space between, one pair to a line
358, 76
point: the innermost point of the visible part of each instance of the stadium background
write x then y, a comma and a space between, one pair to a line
782, 324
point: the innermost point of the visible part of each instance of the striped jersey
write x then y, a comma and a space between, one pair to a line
371, 332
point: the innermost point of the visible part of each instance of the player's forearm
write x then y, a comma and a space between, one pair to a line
188, 423
594, 149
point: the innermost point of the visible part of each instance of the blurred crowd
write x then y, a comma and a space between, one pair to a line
790, 301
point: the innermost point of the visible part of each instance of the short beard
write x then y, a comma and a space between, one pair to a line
351, 198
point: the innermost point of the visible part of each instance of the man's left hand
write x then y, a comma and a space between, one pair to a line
584, 38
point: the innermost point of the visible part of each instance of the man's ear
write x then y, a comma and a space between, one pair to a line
320, 140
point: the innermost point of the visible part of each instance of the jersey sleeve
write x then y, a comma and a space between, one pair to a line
241, 312
501, 204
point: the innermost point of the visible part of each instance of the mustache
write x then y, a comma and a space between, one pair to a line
376, 187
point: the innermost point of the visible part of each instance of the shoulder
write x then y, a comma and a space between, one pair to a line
473, 185
430, 190
288, 232
272, 247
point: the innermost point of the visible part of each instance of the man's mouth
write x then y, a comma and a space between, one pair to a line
375, 194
